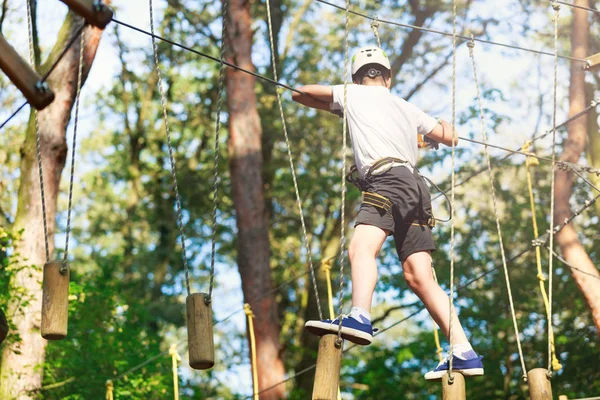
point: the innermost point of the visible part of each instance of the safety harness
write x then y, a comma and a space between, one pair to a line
380, 167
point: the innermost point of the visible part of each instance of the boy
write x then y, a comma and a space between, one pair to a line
396, 201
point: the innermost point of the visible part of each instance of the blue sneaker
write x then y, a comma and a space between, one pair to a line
468, 367
352, 330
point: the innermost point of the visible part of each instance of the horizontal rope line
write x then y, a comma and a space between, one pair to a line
578, 6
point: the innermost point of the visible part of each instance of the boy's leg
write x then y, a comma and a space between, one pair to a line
419, 277
362, 252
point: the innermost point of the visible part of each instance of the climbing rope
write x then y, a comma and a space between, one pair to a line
175, 358
73, 146
292, 168
375, 28
109, 390
344, 150
250, 316
556, 8
213, 238
531, 162
163, 102
326, 267
471, 45
452, 197
38, 136
436, 335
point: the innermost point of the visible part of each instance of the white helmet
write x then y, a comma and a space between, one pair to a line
369, 55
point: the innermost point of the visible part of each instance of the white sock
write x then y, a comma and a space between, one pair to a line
464, 351
360, 315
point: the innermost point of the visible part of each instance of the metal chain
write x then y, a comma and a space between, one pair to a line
375, 27
556, 8
38, 136
452, 197
471, 45
292, 168
75, 125
344, 150
163, 102
213, 239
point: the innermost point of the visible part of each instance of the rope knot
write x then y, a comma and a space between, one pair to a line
555, 6
248, 310
541, 277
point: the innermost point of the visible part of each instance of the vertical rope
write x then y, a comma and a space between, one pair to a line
530, 162
38, 136
556, 8
109, 390
375, 28
163, 102
344, 144
452, 197
175, 358
213, 239
292, 168
75, 125
471, 45
250, 315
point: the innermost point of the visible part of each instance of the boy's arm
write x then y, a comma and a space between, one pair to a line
314, 96
442, 133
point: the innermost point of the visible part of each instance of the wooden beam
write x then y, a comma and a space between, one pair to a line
593, 61
55, 300
539, 384
200, 331
94, 12
329, 362
38, 94
455, 390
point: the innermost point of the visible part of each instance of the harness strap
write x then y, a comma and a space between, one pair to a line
377, 200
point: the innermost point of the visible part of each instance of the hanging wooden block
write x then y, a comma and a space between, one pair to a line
563, 397
539, 384
37, 93
94, 12
593, 61
329, 362
200, 331
455, 390
55, 300
3, 326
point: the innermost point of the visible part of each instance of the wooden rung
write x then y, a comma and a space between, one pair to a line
539, 384
593, 61
3, 326
200, 331
24, 77
455, 390
94, 11
329, 362
55, 300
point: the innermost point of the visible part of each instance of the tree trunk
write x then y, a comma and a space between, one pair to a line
567, 239
21, 373
246, 168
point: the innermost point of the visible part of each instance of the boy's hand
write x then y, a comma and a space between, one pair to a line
339, 113
430, 143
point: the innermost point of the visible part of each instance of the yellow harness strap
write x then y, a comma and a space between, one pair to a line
377, 200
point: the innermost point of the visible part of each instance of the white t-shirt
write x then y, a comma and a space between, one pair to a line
381, 124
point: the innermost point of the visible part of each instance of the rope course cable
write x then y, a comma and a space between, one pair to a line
449, 34
375, 28
163, 102
577, 6
471, 45
292, 168
452, 199
213, 236
339, 341
556, 8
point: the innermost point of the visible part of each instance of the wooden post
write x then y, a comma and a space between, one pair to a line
563, 397
94, 12
456, 389
3, 326
55, 300
200, 331
539, 384
38, 94
329, 361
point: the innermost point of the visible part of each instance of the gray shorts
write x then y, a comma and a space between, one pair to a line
411, 208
